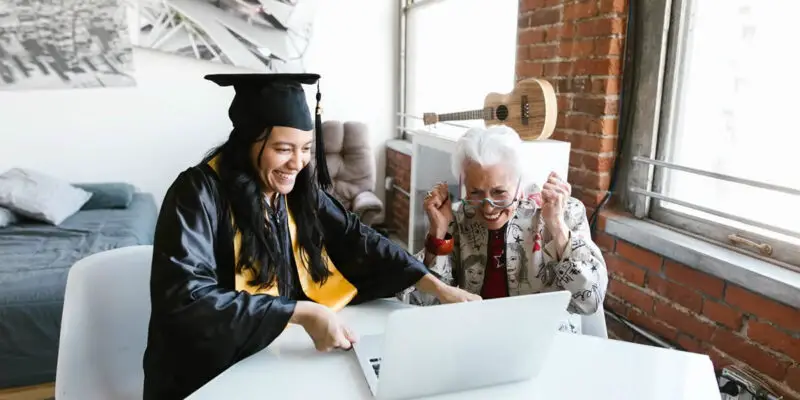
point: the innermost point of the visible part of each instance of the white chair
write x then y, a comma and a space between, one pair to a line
104, 326
595, 324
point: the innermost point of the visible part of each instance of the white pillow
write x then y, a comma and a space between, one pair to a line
7, 217
39, 196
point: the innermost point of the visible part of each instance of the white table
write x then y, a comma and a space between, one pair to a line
580, 367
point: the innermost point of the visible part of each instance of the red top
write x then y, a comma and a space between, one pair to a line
495, 280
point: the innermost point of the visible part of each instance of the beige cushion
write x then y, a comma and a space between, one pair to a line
351, 162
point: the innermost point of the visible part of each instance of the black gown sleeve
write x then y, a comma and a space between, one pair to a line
375, 265
198, 326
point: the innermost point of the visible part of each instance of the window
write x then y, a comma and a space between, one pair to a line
457, 51
729, 108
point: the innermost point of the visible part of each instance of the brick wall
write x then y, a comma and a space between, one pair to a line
398, 167
577, 46
702, 313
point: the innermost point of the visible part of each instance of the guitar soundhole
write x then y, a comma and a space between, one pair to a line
502, 113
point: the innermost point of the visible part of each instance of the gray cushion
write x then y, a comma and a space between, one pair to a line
107, 195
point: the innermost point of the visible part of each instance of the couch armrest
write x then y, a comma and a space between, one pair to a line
367, 205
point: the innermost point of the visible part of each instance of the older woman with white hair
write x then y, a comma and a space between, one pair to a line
508, 237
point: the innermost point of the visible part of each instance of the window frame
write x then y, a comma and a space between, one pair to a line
405, 131
663, 29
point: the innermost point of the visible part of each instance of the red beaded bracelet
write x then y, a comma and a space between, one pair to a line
439, 247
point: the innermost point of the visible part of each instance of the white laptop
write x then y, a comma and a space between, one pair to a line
454, 347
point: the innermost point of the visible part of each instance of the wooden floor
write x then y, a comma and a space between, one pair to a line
44, 391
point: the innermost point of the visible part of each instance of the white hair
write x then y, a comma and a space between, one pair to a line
493, 145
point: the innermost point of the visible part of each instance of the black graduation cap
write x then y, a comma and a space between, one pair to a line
269, 100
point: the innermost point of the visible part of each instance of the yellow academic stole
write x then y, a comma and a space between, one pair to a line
337, 291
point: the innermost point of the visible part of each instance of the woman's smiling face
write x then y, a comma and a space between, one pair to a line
496, 182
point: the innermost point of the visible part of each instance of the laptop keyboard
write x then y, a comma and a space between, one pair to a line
376, 365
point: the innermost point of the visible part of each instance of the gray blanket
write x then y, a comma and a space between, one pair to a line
34, 262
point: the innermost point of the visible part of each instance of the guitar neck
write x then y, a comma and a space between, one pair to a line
484, 113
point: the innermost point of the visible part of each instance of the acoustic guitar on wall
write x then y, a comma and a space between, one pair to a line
530, 109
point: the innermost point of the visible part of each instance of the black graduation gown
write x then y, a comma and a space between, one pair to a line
200, 325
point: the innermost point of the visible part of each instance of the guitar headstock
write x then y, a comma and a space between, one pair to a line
430, 118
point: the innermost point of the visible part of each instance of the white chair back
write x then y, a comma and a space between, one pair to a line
104, 326
595, 324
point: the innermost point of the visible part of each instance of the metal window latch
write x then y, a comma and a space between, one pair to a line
763, 248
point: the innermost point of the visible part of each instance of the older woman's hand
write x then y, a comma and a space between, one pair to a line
554, 198
439, 209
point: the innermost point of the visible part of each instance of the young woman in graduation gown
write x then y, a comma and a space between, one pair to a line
248, 241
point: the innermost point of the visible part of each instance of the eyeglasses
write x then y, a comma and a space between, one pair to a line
497, 202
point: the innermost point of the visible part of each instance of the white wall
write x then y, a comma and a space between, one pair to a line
357, 55
146, 135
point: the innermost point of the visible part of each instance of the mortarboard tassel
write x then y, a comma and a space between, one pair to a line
323, 177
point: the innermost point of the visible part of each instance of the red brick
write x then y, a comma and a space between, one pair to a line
722, 314
604, 126
530, 69
598, 144
597, 106
778, 313
601, 27
779, 341
631, 295
572, 84
542, 52
545, 17
529, 5
580, 10
607, 86
719, 359
560, 133
793, 377
639, 256
648, 323
741, 349
683, 320
551, 69
558, 32
531, 36
523, 21
589, 179
577, 122
598, 66
589, 197
675, 292
523, 53
687, 343
612, 6
616, 305
594, 162
709, 285
627, 271
605, 242
564, 102
608, 46
576, 49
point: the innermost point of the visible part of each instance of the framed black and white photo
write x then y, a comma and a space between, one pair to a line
262, 35
64, 44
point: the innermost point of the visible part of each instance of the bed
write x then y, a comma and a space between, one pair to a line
35, 259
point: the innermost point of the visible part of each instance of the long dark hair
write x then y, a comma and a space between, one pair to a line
260, 251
